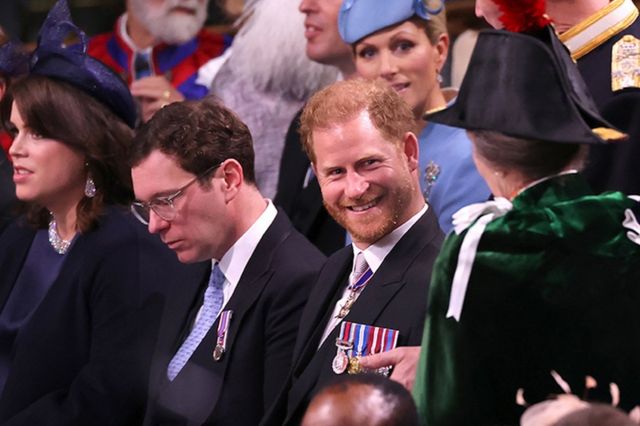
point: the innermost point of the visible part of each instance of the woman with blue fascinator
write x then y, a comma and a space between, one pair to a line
73, 344
404, 43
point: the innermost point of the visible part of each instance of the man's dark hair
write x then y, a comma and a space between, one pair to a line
199, 135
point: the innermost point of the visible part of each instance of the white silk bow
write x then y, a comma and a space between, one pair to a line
481, 214
631, 223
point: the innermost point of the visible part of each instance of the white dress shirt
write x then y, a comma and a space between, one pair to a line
374, 255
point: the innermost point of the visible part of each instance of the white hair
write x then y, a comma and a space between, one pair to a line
169, 27
269, 50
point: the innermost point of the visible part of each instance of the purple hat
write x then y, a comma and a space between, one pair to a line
52, 58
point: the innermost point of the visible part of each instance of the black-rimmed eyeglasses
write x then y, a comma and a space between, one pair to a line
164, 206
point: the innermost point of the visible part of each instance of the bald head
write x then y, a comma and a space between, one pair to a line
362, 400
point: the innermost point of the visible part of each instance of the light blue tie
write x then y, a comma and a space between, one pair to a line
210, 308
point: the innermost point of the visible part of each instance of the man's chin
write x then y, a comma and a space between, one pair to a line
368, 233
177, 29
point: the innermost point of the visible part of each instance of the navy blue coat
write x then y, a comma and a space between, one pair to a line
83, 356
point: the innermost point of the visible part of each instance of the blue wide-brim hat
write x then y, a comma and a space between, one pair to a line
360, 18
53, 58
526, 86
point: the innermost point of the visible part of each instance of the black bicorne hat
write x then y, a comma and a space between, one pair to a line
527, 86
52, 58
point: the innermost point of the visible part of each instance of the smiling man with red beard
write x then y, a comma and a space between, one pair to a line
371, 296
160, 47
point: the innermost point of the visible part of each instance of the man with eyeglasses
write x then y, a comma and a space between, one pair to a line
225, 341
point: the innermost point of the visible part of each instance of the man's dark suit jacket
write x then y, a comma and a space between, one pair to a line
266, 305
304, 204
83, 357
396, 298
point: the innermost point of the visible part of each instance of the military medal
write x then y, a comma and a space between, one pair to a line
341, 360
361, 334
218, 352
354, 290
223, 329
354, 366
625, 63
431, 173
357, 340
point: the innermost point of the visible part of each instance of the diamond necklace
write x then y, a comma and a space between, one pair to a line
59, 245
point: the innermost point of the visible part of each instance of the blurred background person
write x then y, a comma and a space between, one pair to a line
405, 44
603, 37
362, 400
545, 277
266, 83
13, 61
75, 345
159, 47
298, 191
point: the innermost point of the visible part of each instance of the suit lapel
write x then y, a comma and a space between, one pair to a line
201, 371
389, 278
181, 307
320, 304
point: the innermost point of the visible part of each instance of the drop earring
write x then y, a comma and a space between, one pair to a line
90, 188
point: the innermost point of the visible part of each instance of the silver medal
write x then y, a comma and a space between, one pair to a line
341, 360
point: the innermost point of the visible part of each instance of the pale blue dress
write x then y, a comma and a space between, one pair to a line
448, 177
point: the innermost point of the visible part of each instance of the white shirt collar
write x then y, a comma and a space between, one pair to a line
376, 252
122, 29
236, 258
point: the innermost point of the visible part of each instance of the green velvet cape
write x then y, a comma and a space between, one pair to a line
555, 285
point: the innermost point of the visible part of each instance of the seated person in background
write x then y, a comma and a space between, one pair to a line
13, 61
404, 43
298, 192
362, 400
603, 38
266, 84
358, 136
7, 191
227, 336
74, 344
546, 276
159, 48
